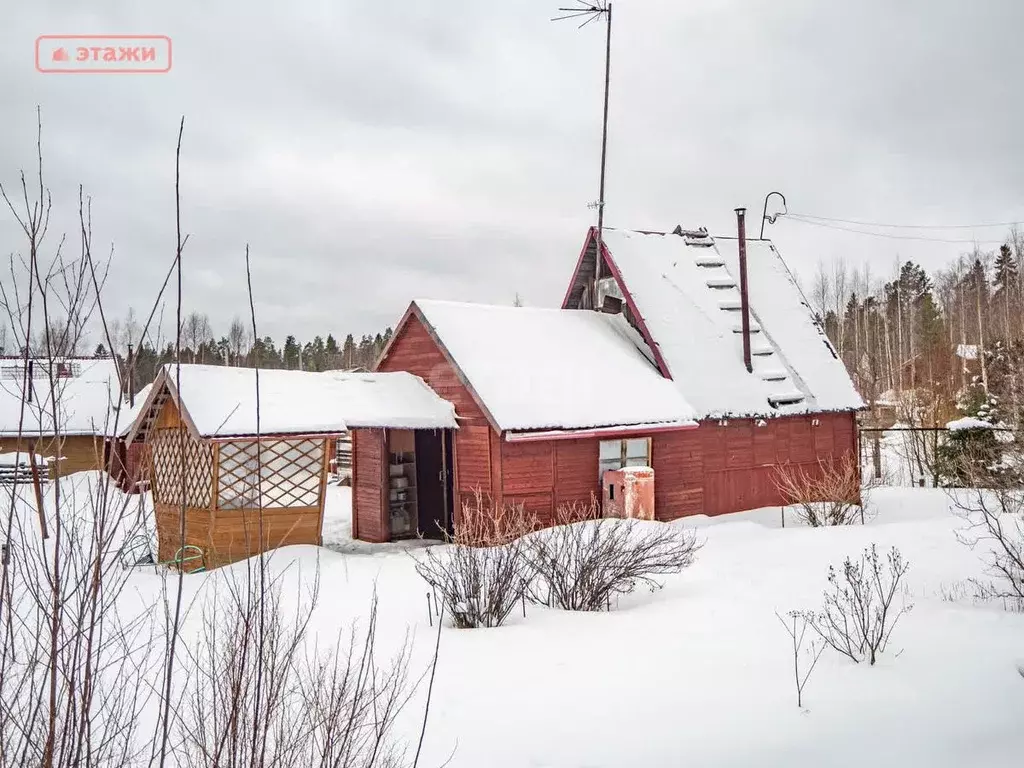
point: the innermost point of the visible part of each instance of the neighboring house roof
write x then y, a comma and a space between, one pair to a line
217, 401
537, 368
683, 292
967, 351
85, 388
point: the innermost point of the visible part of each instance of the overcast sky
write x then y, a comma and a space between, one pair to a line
374, 151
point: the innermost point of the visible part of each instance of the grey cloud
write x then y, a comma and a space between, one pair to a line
375, 150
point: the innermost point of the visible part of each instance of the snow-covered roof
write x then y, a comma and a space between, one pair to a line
686, 293
123, 415
86, 389
221, 402
21, 459
967, 351
536, 368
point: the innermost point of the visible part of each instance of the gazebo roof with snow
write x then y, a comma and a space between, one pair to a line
219, 402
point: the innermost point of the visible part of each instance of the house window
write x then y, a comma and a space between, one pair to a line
616, 454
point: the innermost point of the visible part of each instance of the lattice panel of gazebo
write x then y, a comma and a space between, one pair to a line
172, 470
290, 469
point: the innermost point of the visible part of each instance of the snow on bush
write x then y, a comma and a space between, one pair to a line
585, 560
483, 572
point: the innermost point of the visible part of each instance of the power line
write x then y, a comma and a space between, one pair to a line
908, 226
886, 235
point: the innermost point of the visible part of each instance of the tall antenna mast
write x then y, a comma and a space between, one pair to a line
591, 11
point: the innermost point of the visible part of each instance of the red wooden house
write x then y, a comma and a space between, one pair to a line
664, 373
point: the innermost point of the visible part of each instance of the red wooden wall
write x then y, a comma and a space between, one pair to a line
710, 470
717, 469
545, 475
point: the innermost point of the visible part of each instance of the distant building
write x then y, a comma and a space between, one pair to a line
87, 393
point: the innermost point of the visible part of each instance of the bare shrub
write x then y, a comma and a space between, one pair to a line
74, 668
258, 695
829, 495
585, 560
994, 522
483, 572
795, 624
860, 610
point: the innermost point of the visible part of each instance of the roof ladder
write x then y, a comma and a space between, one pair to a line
710, 260
785, 398
721, 283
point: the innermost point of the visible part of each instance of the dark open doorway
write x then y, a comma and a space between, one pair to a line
434, 482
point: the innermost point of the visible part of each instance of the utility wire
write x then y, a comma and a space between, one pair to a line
803, 220
907, 226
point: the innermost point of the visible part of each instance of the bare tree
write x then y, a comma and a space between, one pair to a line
238, 340
83, 671
197, 334
821, 292
74, 670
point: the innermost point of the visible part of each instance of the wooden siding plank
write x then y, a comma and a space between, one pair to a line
678, 463
473, 463
576, 467
764, 445
527, 467
739, 444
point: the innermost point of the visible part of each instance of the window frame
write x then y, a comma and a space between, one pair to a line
623, 458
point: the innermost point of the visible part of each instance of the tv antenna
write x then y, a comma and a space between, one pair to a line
590, 12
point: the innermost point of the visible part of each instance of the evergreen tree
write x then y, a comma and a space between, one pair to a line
101, 351
291, 353
973, 455
332, 355
364, 357
348, 352
1006, 279
1006, 276
317, 355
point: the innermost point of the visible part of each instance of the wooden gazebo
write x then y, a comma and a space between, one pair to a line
228, 477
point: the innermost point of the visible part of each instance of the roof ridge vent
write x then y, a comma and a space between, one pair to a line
695, 237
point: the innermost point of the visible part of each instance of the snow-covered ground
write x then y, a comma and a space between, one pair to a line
700, 672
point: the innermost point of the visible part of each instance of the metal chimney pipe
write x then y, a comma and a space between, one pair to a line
741, 230
131, 377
